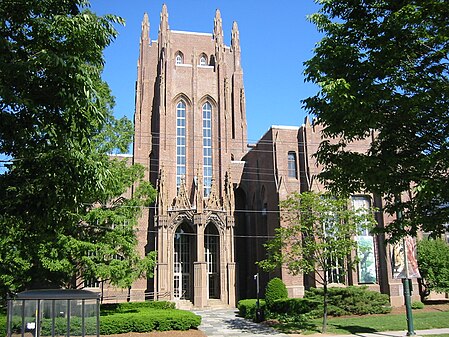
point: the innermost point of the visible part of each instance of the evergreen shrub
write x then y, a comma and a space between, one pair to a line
352, 300
275, 290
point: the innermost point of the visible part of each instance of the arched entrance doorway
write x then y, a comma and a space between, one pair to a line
212, 257
183, 257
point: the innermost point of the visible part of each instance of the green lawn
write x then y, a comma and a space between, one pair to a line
374, 323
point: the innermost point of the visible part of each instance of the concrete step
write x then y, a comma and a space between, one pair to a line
184, 304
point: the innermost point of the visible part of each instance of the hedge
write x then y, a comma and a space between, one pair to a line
149, 320
128, 307
247, 308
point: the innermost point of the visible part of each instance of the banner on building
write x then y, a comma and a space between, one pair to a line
403, 259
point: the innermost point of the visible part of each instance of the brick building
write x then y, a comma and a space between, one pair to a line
217, 197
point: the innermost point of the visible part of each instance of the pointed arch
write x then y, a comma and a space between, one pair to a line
203, 60
210, 99
182, 97
179, 57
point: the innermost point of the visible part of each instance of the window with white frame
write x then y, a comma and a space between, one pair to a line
207, 148
203, 60
180, 142
292, 172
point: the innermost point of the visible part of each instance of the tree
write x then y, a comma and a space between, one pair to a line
433, 260
61, 214
382, 71
318, 239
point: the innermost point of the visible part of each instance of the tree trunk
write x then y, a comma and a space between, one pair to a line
324, 308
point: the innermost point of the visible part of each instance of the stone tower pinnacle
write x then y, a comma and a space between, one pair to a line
218, 34
163, 28
145, 28
235, 39
235, 45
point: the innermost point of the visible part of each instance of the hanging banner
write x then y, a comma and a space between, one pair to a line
367, 261
403, 259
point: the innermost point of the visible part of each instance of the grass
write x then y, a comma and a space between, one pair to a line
368, 324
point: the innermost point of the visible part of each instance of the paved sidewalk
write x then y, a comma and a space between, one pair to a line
226, 323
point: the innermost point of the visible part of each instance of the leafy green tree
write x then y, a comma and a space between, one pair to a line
383, 65
317, 238
433, 261
61, 214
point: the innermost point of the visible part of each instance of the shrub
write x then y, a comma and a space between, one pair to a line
247, 308
417, 305
295, 306
275, 290
351, 300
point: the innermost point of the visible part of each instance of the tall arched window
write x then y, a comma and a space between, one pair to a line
180, 142
292, 165
207, 148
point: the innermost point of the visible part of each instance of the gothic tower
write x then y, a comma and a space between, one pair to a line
190, 134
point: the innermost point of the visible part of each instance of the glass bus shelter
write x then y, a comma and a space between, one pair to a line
54, 312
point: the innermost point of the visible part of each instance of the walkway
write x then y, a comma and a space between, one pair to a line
226, 323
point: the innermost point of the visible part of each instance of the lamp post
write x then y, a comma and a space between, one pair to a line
258, 311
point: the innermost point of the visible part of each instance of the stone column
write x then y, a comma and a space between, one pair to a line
231, 283
162, 278
200, 288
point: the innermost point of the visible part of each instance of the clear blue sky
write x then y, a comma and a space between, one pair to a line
275, 38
